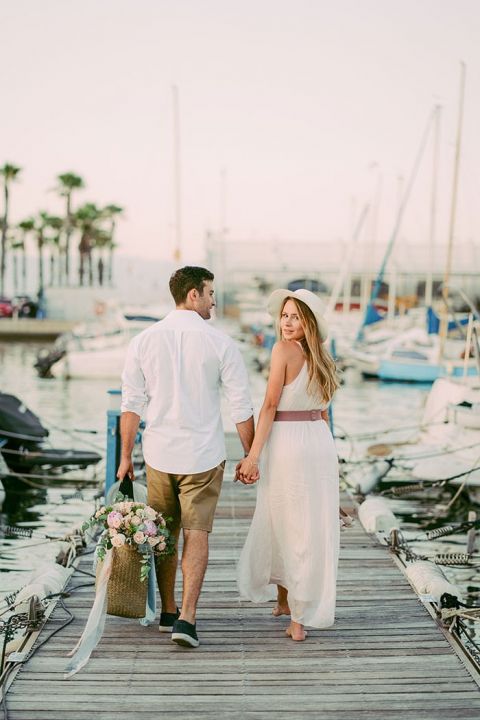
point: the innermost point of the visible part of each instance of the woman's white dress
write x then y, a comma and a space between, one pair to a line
294, 536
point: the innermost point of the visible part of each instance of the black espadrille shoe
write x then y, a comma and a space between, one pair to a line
167, 620
184, 633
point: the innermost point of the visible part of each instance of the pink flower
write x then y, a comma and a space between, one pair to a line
118, 540
135, 520
150, 528
150, 513
162, 546
114, 519
139, 537
152, 541
162, 538
112, 532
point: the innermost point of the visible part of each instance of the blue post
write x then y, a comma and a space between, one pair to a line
113, 444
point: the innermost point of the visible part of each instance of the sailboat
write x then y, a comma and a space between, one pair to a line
418, 354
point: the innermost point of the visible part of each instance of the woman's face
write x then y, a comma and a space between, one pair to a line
290, 324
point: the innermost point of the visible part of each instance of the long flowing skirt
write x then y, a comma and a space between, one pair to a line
294, 536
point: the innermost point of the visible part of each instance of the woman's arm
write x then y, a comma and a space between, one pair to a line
247, 470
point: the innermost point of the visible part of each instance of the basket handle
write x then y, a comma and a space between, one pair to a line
126, 487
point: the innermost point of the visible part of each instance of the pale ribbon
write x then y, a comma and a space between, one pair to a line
95, 625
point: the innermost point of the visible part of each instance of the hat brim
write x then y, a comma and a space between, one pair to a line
277, 298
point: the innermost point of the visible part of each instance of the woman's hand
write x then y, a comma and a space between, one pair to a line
247, 471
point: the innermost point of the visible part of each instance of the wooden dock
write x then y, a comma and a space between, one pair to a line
33, 329
385, 658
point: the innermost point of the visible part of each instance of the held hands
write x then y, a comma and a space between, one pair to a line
247, 471
125, 468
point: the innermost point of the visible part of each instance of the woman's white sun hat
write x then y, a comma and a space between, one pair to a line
277, 298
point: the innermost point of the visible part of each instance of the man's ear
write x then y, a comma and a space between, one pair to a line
192, 295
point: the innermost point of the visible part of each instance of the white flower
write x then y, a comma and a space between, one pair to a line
139, 538
150, 513
135, 520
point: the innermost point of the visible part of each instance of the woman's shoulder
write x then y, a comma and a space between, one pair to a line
286, 349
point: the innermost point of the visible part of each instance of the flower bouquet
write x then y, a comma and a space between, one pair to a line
134, 533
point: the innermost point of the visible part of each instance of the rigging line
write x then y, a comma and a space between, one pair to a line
397, 461
443, 480
448, 451
9, 548
48, 476
441, 532
44, 453
71, 434
453, 500
373, 433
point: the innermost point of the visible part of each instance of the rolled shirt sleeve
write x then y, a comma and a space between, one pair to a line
234, 379
134, 397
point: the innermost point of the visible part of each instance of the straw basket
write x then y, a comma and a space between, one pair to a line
126, 594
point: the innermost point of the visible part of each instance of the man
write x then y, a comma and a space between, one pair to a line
172, 376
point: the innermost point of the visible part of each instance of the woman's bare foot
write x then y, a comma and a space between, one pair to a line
296, 631
280, 610
281, 607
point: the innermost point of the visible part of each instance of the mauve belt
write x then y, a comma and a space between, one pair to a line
296, 415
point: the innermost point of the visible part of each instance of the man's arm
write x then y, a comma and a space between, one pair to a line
234, 380
133, 404
246, 431
129, 422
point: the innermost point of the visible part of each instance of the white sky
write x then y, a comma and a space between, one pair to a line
297, 99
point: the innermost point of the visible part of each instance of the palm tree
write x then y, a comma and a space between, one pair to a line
55, 225
43, 223
111, 212
26, 226
102, 240
67, 183
87, 219
9, 173
15, 243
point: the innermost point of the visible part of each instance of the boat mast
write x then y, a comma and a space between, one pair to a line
453, 211
433, 207
346, 262
220, 245
370, 311
177, 253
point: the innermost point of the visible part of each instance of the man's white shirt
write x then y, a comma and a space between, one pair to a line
172, 378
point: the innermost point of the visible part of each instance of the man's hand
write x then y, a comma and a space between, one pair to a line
247, 471
125, 468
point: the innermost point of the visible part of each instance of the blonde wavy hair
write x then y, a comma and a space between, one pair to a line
322, 372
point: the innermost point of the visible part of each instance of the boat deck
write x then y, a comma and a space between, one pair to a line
384, 658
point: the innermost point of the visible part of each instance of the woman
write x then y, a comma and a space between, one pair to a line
293, 541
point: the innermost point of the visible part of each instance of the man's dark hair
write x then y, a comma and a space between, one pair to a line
187, 278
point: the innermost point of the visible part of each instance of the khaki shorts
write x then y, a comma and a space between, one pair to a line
190, 500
